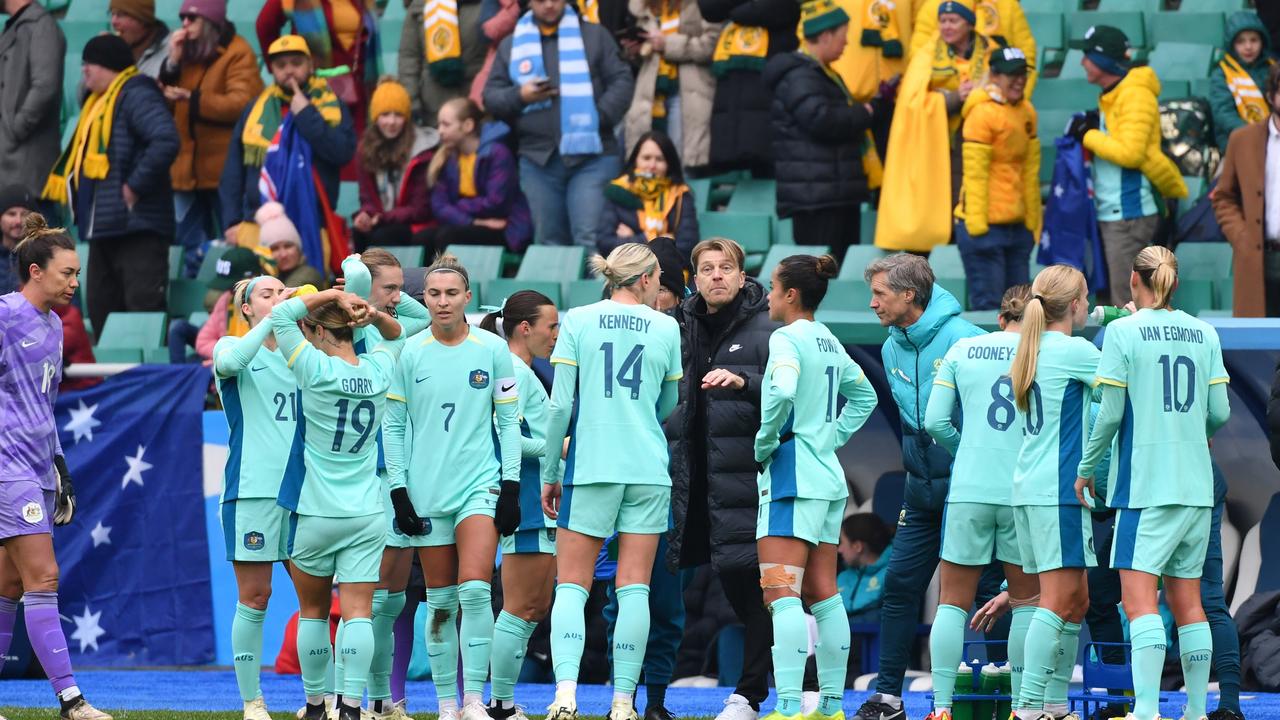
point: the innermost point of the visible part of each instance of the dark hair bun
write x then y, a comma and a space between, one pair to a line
827, 267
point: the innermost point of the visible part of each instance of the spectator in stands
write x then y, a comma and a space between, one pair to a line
475, 192
671, 284
15, 202
278, 234
1250, 172
999, 210
209, 75
236, 264
1235, 86
338, 33
563, 120
650, 199
118, 184
754, 31
497, 22
77, 348
820, 134
1003, 19
320, 118
877, 46
147, 36
1124, 136
32, 47
924, 322
675, 87
395, 195
724, 343
440, 55
866, 544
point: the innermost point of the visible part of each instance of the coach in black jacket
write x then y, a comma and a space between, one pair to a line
724, 333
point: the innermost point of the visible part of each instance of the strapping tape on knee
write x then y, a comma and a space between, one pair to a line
775, 576
1024, 602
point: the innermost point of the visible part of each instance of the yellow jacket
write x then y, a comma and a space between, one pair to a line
863, 68
1001, 164
1131, 114
1001, 20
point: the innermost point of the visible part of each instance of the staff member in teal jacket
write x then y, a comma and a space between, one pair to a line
924, 322
866, 544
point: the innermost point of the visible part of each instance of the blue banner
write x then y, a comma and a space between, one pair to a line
135, 571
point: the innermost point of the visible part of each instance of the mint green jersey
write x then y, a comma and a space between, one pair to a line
260, 400
1166, 360
341, 407
977, 368
441, 441
800, 428
624, 353
533, 444
1056, 422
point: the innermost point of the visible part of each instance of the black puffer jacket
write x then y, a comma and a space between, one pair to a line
817, 137
713, 470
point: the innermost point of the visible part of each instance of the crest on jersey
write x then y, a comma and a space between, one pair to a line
254, 541
479, 379
32, 513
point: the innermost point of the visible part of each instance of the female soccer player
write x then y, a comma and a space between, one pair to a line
802, 487
530, 323
1165, 385
37, 486
621, 359
336, 526
978, 521
1052, 376
441, 452
260, 397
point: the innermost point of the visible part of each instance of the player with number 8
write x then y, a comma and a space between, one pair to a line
1164, 394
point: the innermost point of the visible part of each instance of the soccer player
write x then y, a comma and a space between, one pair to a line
802, 487
530, 323
620, 358
978, 520
337, 529
1164, 394
1052, 376
260, 397
37, 487
460, 473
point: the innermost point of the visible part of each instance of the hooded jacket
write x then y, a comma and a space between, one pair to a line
413, 197
497, 187
1001, 164
1226, 117
911, 358
719, 483
861, 588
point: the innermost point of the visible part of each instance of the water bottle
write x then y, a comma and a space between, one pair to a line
1104, 314
1005, 707
988, 684
961, 708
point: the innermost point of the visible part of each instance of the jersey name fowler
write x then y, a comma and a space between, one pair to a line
1171, 333
623, 321
827, 345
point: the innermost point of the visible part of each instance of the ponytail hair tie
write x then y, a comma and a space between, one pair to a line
1038, 297
495, 310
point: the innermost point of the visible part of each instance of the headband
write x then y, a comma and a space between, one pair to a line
455, 271
248, 289
495, 309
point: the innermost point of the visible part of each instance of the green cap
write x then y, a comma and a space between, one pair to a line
236, 264
1008, 61
819, 15
1105, 40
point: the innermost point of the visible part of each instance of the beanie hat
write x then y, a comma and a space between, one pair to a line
13, 196
389, 96
214, 11
274, 226
1107, 47
819, 15
108, 51
672, 265
963, 8
142, 10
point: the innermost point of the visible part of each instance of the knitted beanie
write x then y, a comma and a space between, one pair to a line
274, 226
389, 96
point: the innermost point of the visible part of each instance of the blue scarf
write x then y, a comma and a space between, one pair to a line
579, 121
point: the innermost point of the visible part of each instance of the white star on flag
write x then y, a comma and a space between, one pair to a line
82, 422
1058, 190
87, 629
137, 466
101, 535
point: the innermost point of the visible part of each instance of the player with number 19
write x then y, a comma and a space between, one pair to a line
1164, 394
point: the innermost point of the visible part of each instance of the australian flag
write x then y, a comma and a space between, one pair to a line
1070, 234
135, 571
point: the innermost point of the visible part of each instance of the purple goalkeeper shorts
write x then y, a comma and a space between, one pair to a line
25, 509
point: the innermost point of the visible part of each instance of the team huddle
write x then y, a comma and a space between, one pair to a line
365, 426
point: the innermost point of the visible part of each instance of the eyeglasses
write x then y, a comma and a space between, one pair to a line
188, 17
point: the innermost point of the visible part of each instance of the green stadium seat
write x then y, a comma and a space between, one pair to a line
483, 262
784, 231
1184, 26
118, 355
348, 200
583, 292
553, 263
244, 13
1200, 88
1222, 6
1181, 61
1071, 67
393, 9
1174, 89
1130, 22
175, 260
209, 266
1053, 122
867, 218
390, 59
1194, 295
1195, 190
778, 252
1146, 6
155, 356
847, 295
753, 231
82, 252
1048, 155
1047, 29
133, 330
1058, 94
186, 296
495, 292
1050, 6
945, 261
408, 255
701, 189
857, 258
754, 195
1211, 262
198, 318
98, 10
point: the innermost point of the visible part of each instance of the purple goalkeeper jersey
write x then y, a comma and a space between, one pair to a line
30, 369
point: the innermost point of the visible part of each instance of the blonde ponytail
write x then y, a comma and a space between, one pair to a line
1157, 269
1051, 295
625, 265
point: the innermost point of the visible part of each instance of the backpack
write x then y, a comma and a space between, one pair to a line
1186, 129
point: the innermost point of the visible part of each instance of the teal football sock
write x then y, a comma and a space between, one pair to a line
1055, 693
1195, 644
246, 650
357, 652
1146, 635
476, 636
630, 636
790, 652
314, 654
510, 641
1041, 657
339, 673
386, 608
568, 630
442, 639
946, 651
1018, 626
831, 653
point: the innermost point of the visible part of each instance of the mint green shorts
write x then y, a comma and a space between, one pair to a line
531, 541
1052, 537
601, 509
975, 533
255, 530
346, 549
1166, 540
814, 521
441, 528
